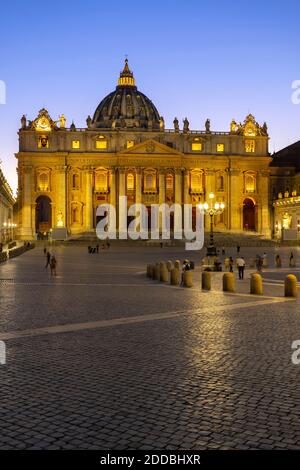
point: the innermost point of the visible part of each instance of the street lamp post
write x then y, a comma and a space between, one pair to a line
212, 209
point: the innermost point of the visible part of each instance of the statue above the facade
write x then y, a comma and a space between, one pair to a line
161, 123
23, 122
233, 126
176, 124
62, 121
207, 126
186, 125
88, 121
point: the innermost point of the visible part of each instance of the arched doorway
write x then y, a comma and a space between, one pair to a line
249, 214
43, 214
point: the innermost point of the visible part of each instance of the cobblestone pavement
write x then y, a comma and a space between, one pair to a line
103, 358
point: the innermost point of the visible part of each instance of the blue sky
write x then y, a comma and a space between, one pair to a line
199, 59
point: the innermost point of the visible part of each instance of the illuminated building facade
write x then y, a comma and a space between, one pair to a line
125, 149
7, 201
285, 192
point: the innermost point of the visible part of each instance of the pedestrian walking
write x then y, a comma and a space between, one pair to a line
240, 262
259, 263
292, 260
238, 248
186, 266
53, 264
48, 258
278, 261
231, 264
265, 260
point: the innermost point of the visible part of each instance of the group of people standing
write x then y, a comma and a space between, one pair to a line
50, 261
240, 263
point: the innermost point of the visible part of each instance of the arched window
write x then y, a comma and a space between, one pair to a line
130, 182
75, 214
101, 181
249, 183
196, 181
43, 181
149, 181
75, 181
169, 182
220, 183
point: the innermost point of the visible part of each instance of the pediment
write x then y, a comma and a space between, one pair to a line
150, 147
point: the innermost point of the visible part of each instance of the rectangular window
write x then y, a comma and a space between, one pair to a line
101, 144
43, 142
196, 146
75, 144
220, 147
250, 146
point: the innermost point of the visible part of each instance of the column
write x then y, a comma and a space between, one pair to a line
161, 194
186, 187
234, 202
59, 219
263, 191
178, 200
112, 187
138, 185
122, 209
89, 217
26, 230
112, 196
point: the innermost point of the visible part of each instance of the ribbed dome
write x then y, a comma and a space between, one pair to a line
126, 107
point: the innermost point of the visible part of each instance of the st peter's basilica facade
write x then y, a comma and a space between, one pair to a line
125, 149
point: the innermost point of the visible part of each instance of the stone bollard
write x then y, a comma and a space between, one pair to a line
256, 286
228, 282
290, 286
151, 269
188, 278
175, 277
164, 273
177, 264
206, 280
169, 265
156, 276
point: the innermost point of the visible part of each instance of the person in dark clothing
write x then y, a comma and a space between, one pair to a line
238, 248
240, 262
48, 258
231, 264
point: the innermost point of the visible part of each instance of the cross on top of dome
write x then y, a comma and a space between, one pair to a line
126, 76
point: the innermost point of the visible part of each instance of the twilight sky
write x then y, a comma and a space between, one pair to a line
200, 59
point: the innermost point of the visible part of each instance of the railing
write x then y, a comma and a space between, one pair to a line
129, 129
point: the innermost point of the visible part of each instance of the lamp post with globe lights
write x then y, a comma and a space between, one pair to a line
212, 208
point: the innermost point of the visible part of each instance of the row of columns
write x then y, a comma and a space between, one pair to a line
117, 184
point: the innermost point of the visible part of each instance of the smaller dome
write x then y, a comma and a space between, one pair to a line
126, 107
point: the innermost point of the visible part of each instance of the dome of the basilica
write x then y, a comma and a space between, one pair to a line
126, 107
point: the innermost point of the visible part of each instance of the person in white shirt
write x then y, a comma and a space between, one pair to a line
240, 262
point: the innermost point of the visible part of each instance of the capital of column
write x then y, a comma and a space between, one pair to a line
209, 171
234, 171
88, 169
265, 173
27, 169
61, 168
